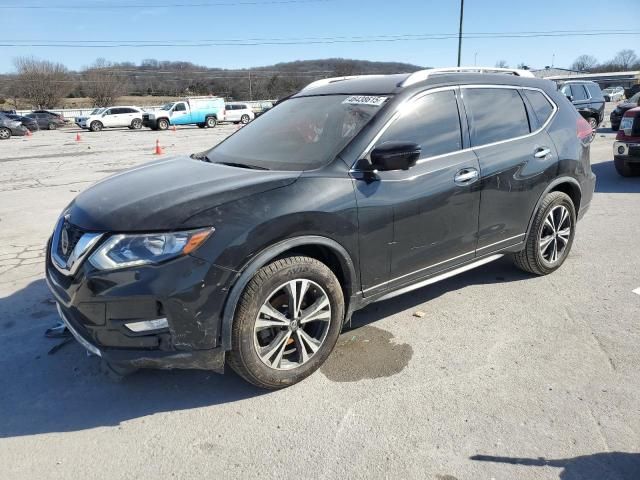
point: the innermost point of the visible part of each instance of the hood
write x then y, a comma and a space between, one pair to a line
626, 106
164, 195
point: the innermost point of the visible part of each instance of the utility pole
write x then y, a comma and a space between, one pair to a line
460, 31
250, 87
475, 59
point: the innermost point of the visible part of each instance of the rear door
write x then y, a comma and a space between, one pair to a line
517, 159
432, 207
232, 113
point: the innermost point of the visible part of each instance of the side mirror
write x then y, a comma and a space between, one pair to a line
570, 97
395, 156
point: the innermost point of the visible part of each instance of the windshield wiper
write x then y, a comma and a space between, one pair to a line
241, 165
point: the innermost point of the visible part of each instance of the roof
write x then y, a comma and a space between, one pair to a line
397, 83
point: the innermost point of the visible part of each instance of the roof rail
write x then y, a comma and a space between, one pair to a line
424, 74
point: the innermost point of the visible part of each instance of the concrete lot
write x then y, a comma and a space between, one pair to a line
507, 376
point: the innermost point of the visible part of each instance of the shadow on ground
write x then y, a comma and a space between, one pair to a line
599, 466
66, 391
609, 181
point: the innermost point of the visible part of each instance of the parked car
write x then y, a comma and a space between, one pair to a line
238, 113
587, 98
616, 115
59, 116
9, 127
258, 251
205, 112
46, 121
613, 94
112, 117
626, 148
30, 123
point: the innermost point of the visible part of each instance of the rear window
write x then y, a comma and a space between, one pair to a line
302, 133
495, 114
541, 106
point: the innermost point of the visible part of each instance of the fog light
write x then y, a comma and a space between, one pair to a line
620, 149
147, 325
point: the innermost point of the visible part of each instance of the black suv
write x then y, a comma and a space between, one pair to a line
621, 108
351, 191
587, 98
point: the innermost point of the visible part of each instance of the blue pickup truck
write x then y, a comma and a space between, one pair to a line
205, 112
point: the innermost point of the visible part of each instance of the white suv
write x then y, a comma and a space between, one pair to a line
112, 117
238, 113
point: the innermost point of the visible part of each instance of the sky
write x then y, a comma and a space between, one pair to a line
165, 21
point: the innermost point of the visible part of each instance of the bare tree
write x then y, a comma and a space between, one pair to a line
103, 83
40, 82
502, 64
584, 63
625, 58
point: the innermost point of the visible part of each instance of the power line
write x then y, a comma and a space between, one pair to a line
167, 5
118, 44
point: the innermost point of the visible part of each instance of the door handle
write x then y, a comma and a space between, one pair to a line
466, 176
542, 152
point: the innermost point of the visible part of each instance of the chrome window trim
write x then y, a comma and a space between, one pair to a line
80, 251
419, 95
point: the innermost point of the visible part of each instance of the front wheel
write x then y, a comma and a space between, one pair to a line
287, 322
163, 124
211, 122
95, 126
551, 237
5, 134
136, 124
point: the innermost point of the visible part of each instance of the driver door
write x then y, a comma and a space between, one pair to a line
424, 219
179, 115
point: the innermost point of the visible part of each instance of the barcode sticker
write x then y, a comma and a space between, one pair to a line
365, 100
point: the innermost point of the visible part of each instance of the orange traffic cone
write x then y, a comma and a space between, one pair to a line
159, 150
173, 129
78, 137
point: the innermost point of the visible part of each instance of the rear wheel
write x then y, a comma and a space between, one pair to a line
211, 122
287, 322
551, 237
5, 133
245, 119
96, 126
163, 124
52, 126
624, 169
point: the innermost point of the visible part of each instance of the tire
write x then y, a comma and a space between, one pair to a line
593, 122
201, 125
163, 124
115, 372
136, 124
536, 259
244, 119
52, 126
286, 365
5, 134
96, 126
211, 122
624, 169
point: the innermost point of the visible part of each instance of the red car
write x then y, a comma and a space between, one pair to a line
626, 148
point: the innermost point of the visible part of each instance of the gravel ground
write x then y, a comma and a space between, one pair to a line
506, 376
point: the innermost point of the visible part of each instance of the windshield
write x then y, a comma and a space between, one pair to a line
168, 106
96, 111
302, 133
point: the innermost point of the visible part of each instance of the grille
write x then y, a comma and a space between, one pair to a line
145, 116
73, 234
634, 151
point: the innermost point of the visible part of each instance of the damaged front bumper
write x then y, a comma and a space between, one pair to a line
101, 308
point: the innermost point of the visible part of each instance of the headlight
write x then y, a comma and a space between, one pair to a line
122, 251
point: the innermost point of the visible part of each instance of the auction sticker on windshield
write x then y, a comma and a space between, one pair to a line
365, 100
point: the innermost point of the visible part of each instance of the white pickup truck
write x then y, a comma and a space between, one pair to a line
201, 111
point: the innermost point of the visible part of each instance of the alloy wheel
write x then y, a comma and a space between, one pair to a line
5, 133
555, 234
292, 324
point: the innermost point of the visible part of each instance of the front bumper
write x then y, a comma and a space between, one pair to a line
149, 122
187, 291
19, 131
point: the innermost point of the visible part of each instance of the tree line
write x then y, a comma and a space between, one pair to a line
43, 83
624, 60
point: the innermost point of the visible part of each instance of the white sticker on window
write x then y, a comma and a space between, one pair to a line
365, 100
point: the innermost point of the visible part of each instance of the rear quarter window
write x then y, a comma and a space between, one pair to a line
541, 106
495, 114
595, 91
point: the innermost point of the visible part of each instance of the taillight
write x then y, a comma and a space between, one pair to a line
584, 130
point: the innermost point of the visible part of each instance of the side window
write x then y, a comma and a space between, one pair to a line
109, 111
117, 111
432, 122
594, 90
578, 92
179, 107
540, 104
495, 114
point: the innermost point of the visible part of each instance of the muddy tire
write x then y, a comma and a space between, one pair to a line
287, 322
551, 237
